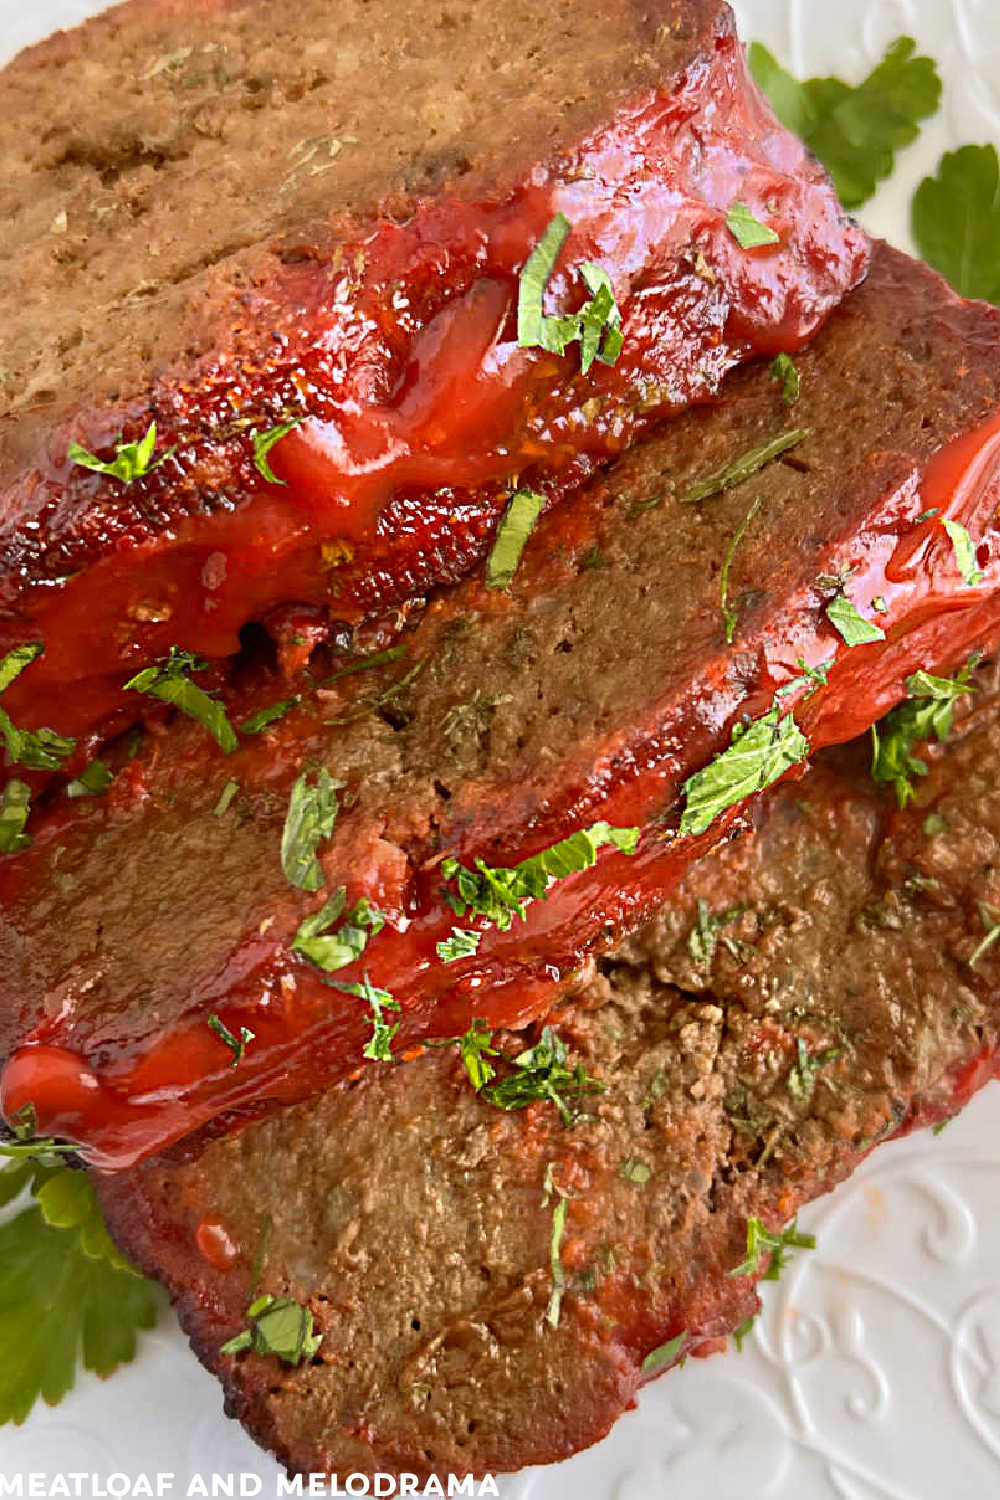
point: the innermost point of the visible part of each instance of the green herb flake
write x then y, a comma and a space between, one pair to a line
956, 221
555, 1263
855, 130
264, 717
263, 442
850, 625
743, 468
965, 553
927, 715
597, 326
784, 369
312, 813
131, 461
761, 1241
541, 1073
474, 1048
236, 1044
41, 749
749, 232
879, 605
703, 939
280, 1326
667, 1354
330, 950
225, 799
515, 527
499, 895
93, 781
378, 1048
15, 805
171, 683
461, 944
934, 825
742, 1333
990, 919
807, 1068
636, 1172
759, 755
365, 664
601, 335
730, 617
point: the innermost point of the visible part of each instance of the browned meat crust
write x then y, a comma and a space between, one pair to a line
410, 1215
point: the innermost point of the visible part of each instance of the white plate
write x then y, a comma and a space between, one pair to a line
875, 1371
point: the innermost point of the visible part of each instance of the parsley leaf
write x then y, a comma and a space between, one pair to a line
555, 1263
927, 715
599, 319
378, 1049
760, 753
171, 684
335, 950
743, 468
15, 804
312, 812
990, 919
41, 749
730, 617
855, 131
461, 944
131, 460
851, 626
225, 799
965, 553
500, 895
281, 1327
742, 1332
260, 721
703, 939
665, 1355
516, 525
783, 368
540, 1072
956, 221
749, 232
474, 1048
263, 442
807, 1067
237, 1044
760, 1240
93, 781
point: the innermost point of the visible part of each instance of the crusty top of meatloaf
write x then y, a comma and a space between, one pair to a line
145, 156
808, 994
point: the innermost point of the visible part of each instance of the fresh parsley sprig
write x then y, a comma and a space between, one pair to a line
131, 461
40, 749
379, 1047
956, 221
171, 683
927, 715
761, 1241
597, 326
541, 1073
759, 755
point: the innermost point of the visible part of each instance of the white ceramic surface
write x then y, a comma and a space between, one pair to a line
874, 1373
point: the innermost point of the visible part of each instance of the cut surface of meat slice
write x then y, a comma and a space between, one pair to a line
745, 1074
251, 246
588, 692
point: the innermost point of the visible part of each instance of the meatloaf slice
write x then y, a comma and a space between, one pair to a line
225, 218
745, 1074
588, 691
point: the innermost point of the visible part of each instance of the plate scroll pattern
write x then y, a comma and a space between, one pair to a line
874, 1373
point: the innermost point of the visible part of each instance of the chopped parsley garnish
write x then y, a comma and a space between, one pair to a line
93, 781
749, 232
598, 323
237, 1044
263, 442
784, 369
378, 1048
743, 468
131, 460
760, 1241
226, 799
474, 1049
280, 1327
500, 895
703, 939
807, 1067
41, 749
636, 1171
760, 753
665, 1355
365, 664
730, 617
855, 130
516, 525
816, 676
850, 625
259, 721
991, 921
68, 1297
965, 553
555, 1262
461, 944
539, 1073
15, 804
928, 714
743, 1332
956, 221
312, 812
330, 950
171, 684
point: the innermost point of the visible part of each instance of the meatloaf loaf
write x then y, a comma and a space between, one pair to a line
291, 238
585, 694
745, 1073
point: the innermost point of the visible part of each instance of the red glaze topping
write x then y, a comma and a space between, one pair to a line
144, 1095
420, 409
